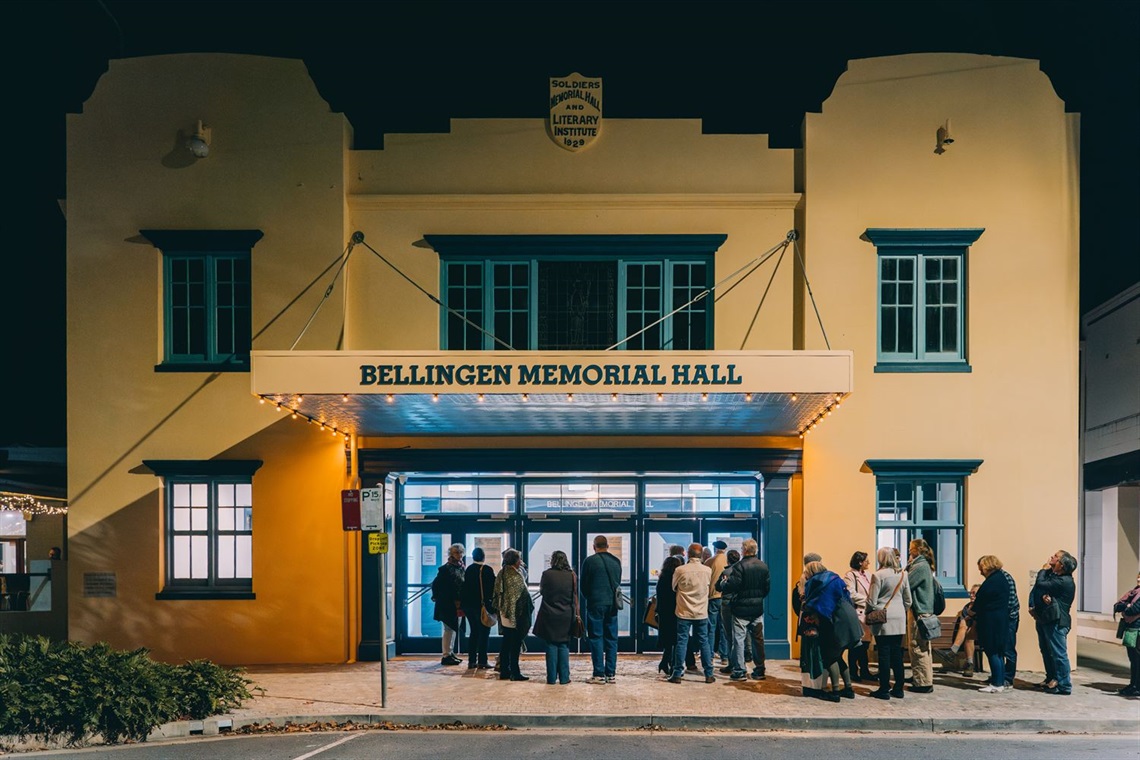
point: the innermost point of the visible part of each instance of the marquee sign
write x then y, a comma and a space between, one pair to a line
575, 111
539, 372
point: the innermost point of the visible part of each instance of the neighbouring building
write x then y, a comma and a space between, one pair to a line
657, 335
1110, 454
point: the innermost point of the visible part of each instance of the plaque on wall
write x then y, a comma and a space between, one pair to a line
575, 111
100, 585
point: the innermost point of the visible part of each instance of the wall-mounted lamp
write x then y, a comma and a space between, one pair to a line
944, 137
199, 142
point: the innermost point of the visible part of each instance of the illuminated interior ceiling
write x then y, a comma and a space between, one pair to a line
585, 414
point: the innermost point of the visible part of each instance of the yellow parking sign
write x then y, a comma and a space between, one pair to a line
377, 543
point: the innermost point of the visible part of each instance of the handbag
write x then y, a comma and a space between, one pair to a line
878, 617
928, 627
619, 598
485, 617
577, 630
651, 612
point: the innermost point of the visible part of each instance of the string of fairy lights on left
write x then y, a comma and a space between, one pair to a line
22, 502
296, 414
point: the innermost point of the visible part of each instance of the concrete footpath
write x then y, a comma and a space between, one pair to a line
422, 692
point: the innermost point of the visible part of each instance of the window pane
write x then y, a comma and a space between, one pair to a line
245, 519
199, 557
244, 558
243, 495
198, 518
226, 495
889, 330
905, 330
181, 494
199, 494
577, 305
181, 548
182, 519
225, 556
226, 519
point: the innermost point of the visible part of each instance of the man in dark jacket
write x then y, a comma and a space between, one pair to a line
749, 582
600, 582
1049, 603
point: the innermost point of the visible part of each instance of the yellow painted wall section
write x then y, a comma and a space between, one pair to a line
506, 177
276, 164
870, 163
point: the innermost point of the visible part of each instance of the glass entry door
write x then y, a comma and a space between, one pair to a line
423, 548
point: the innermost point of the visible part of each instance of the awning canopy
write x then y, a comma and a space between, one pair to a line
535, 393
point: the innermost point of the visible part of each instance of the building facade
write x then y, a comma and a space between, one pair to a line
663, 337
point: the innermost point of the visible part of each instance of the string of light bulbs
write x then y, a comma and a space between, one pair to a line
22, 502
823, 414
297, 414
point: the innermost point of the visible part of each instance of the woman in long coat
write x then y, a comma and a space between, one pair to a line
667, 614
558, 587
991, 620
889, 635
512, 601
478, 585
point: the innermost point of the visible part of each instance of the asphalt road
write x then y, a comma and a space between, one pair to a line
620, 745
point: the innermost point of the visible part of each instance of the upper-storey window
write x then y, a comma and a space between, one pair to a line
578, 293
207, 298
922, 299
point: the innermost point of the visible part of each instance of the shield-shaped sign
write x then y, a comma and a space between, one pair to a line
575, 111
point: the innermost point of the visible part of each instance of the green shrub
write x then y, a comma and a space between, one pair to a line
70, 692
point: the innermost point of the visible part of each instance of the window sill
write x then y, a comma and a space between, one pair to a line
201, 367
195, 594
889, 367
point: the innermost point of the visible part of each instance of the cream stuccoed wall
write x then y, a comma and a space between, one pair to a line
869, 162
507, 177
276, 163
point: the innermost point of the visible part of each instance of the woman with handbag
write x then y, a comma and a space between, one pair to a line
858, 582
475, 598
556, 616
887, 618
667, 614
1129, 608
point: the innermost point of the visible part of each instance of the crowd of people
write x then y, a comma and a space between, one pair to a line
709, 602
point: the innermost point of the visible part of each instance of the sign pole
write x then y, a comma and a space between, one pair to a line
383, 633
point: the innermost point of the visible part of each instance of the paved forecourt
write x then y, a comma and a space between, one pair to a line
422, 692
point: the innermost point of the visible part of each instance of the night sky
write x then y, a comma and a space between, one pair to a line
406, 67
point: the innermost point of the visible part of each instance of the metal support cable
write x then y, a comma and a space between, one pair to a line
760, 305
435, 299
754, 264
357, 237
796, 248
297, 297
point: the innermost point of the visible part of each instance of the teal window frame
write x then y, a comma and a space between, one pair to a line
221, 299
214, 475
674, 254
914, 288
916, 479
